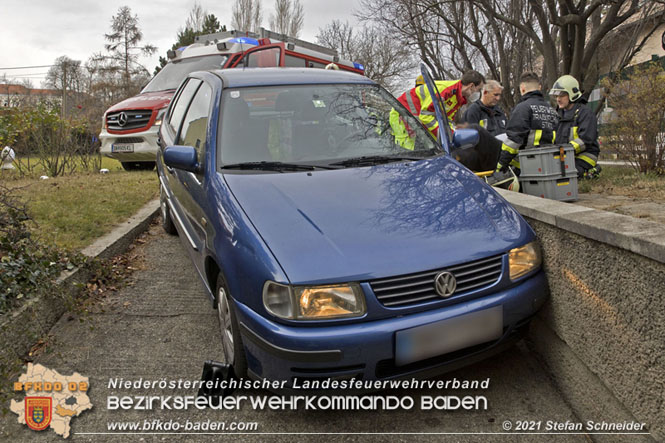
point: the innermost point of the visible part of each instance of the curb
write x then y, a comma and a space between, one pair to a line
37, 316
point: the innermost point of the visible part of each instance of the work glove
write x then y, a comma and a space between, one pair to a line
498, 176
501, 168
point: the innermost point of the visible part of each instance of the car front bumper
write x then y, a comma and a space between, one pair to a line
366, 350
144, 145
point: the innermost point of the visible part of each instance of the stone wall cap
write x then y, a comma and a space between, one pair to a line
642, 237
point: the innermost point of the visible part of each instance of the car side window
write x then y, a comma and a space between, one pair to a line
181, 104
195, 124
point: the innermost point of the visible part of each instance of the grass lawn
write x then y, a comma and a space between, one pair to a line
73, 211
624, 180
32, 164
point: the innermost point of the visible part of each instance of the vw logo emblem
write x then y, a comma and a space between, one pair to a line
445, 284
122, 119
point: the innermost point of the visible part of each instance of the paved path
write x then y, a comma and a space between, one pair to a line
162, 326
635, 207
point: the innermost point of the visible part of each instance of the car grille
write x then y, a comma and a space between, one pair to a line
418, 288
131, 120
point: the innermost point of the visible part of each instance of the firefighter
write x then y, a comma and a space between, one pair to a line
532, 123
454, 93
577, 125
486, 111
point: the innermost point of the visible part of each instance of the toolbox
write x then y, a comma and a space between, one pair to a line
549, 172
547, 161
555, 188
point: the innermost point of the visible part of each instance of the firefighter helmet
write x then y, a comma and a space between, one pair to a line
569, 85
420, 80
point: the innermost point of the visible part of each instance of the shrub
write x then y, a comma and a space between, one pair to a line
27, 267
637, 126
60, 146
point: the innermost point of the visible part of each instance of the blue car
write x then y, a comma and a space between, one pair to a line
329, 249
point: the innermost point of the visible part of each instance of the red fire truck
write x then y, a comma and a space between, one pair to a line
130, 128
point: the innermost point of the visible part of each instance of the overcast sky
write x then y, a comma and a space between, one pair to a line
36, 32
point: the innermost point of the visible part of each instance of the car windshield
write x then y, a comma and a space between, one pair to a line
318, 124
174, 72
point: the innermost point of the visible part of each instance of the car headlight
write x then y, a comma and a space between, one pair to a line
160, 116
524, 259
314, 302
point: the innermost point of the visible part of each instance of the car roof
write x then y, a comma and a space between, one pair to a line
244, 77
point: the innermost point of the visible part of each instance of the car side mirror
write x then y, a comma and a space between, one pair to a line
182, 157
465, 138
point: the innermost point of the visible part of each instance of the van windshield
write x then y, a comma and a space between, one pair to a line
324, 124
173, 73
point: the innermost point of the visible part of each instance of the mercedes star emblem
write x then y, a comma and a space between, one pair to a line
445, 284
122, 119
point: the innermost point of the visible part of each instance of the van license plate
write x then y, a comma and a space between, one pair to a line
122, 147
448, 335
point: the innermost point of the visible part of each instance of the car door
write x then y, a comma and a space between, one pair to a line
445, 135
194, 132
173, 185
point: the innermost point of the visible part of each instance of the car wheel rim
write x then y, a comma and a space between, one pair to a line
224, 315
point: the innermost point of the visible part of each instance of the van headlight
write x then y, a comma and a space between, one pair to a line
160, 117
314, 302
524, 259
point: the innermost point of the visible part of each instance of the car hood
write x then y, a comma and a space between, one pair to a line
149, 100
358, 224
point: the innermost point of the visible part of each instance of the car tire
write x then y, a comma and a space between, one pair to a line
234, 351
167, 219
138, 166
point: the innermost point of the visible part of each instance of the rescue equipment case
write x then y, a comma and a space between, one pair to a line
544, 173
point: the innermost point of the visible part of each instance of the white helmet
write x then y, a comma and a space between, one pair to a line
569, 85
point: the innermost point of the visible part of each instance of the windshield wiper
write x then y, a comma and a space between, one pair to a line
375, 160
272, 166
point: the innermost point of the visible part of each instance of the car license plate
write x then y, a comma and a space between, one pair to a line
448, 335
122, 147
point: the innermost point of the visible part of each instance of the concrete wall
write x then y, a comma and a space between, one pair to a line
603, 330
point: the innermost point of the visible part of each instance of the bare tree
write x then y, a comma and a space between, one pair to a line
385, 61
506, 37
198, 23
196, 17
123, 46
288, 18
567, 35
66, 75
246, 15
452, 37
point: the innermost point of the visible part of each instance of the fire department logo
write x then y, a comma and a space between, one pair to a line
52, 400
38, 412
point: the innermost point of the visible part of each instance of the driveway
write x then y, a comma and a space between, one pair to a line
161, 326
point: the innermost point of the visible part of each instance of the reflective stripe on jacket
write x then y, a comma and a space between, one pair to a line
578, 126
532, 123
419, 102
